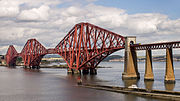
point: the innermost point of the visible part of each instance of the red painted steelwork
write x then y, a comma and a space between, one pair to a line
11, 56
51, 51
32, 53
86, 45
175, 44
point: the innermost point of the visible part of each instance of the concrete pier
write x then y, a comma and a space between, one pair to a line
169, 76
148, 66
130, 60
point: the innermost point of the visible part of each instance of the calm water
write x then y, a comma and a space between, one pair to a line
20, 84
115, 77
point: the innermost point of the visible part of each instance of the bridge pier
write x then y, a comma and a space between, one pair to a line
85, 71
130, 60
169, 76
93, 71
77, 71
70, 71
73, 71
148, 66
34, 67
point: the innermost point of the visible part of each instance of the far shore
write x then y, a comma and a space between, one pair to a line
58, 66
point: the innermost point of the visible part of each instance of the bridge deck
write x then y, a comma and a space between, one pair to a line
175, 44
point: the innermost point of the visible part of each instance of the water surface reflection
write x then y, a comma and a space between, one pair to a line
149, 84
169, 86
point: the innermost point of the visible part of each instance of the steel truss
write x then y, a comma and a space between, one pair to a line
85, 46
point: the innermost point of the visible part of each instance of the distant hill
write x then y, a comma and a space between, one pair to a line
177, 56
112, 57
117, 57
52, 56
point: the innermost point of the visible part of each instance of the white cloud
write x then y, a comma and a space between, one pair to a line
35, 14
37, 3
73, 11
3, 49
145, 23
9, 8
118, 20
91, 0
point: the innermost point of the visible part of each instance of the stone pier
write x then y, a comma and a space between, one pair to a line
130, 60
169, 76
148, 66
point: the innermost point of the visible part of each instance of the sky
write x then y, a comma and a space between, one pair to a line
50, 20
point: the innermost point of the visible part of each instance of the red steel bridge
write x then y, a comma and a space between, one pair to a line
86, 45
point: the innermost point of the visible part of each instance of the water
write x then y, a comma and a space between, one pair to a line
47, 84
158, 70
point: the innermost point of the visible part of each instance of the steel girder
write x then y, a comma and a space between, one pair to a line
86, 45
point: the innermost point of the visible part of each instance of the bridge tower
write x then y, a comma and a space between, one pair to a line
130, 60
11, 56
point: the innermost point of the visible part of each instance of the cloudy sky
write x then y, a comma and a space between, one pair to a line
50, 20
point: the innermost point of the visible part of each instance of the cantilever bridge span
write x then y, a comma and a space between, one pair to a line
84, 47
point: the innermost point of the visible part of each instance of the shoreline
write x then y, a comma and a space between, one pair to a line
57, 66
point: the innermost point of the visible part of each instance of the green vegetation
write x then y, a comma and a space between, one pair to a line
18, 60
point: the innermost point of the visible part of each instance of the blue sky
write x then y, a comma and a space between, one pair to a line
168, 7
